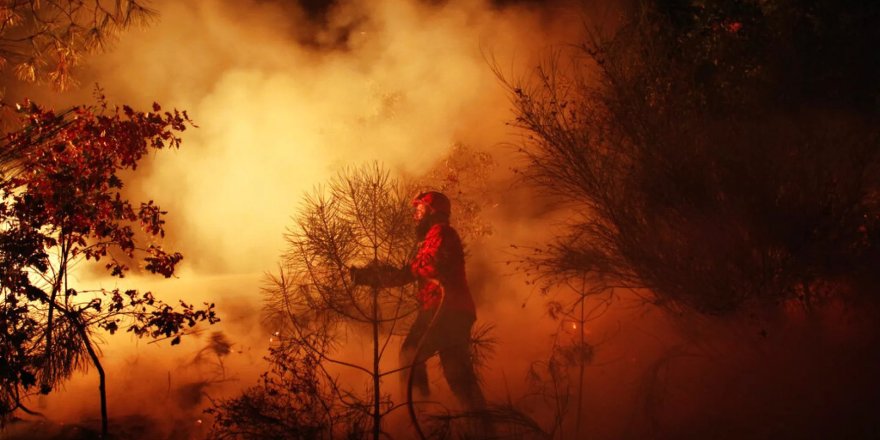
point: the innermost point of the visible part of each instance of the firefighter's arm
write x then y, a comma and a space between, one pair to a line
379, 274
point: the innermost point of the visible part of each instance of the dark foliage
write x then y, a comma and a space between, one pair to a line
62, 204
293, 400
721, 152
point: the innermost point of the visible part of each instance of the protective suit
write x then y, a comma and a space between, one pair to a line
446, 314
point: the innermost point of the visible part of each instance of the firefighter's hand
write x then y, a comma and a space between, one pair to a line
371, 274
358, 275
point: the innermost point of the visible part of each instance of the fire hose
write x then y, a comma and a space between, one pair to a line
416, 359
417, 355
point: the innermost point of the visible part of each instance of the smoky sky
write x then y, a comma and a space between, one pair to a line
320, 29
317, 9
284, 99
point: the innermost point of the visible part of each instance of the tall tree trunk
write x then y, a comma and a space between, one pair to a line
102, 378
50, 322
377, 416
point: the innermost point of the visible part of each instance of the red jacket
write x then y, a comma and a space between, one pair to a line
439, 261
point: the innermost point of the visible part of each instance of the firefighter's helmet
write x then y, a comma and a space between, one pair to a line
435, 202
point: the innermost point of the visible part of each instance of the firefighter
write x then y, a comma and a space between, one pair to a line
446, 313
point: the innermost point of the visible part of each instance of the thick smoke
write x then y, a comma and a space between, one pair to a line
283, 100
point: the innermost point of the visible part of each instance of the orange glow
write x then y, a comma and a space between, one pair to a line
276, 118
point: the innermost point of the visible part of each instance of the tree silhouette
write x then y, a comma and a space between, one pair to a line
62, 205
719, 153
45, 40
294, 400
363, 217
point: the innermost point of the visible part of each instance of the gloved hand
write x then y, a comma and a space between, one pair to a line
359, 275
371, 274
